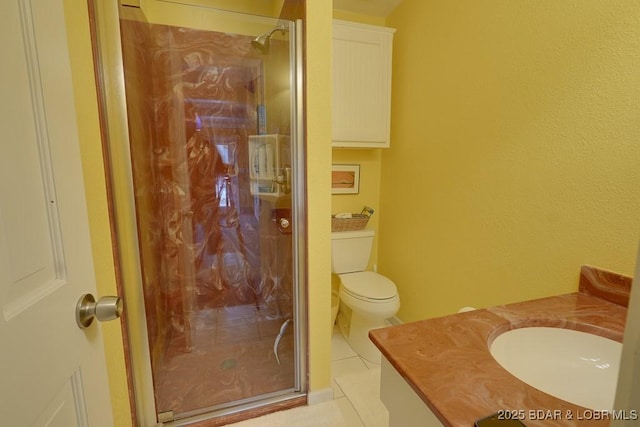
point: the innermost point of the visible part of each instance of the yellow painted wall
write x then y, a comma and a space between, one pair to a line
264, 7
358, 17
369, 194
226, 20
94, 181
318, 110
516, 139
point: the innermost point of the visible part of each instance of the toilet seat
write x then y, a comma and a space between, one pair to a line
369, 286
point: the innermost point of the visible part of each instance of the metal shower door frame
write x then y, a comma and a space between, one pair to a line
108, 61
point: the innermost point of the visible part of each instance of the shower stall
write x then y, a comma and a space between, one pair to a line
203, 117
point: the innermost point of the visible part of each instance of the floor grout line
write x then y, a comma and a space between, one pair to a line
344, 396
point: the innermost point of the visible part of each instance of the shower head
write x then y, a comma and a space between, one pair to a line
263, 42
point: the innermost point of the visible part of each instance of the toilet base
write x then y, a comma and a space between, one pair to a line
355, 330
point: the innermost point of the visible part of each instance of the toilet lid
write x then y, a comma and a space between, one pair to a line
367, 284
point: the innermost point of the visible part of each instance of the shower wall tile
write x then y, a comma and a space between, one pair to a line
217, 274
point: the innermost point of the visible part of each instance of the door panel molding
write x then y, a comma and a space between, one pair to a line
34, 264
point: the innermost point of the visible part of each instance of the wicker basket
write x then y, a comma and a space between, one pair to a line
356, 222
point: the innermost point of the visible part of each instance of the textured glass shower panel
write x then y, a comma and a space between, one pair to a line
216, 261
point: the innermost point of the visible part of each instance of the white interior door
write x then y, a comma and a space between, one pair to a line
51, 372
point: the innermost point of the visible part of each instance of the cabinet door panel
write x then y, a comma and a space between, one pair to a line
361, 85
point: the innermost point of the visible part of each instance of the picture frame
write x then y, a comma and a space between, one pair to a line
345, 179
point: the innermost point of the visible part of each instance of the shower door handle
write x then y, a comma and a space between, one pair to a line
87, 309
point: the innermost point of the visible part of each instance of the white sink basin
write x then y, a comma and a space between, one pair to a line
575, 366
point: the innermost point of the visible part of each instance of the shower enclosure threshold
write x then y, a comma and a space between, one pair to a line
242, 410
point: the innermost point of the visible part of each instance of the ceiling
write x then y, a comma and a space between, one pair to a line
367, 7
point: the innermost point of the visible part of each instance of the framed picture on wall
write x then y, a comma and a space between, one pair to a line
345, 179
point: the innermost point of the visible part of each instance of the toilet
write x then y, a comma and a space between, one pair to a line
367, 298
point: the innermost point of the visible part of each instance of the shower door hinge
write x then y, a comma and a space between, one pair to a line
165, 417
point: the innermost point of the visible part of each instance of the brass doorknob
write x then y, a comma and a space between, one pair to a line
87, 309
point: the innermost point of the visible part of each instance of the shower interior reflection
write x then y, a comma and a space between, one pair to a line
217, 271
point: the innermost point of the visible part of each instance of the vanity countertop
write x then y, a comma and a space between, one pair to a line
447, 362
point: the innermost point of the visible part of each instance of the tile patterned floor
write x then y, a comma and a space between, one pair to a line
345, 361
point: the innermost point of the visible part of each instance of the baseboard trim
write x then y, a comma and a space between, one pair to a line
395, 321
319, 396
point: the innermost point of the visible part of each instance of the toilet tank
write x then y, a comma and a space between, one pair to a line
350, 250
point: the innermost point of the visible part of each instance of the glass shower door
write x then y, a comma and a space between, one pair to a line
210, 98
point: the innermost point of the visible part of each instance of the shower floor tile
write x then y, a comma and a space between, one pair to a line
231, 359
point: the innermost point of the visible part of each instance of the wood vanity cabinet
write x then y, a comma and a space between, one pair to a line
361, 85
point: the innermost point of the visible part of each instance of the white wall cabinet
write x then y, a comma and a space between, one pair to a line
361, 85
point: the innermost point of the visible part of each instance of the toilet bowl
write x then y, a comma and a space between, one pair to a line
370, 294
366, 312
367, 298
